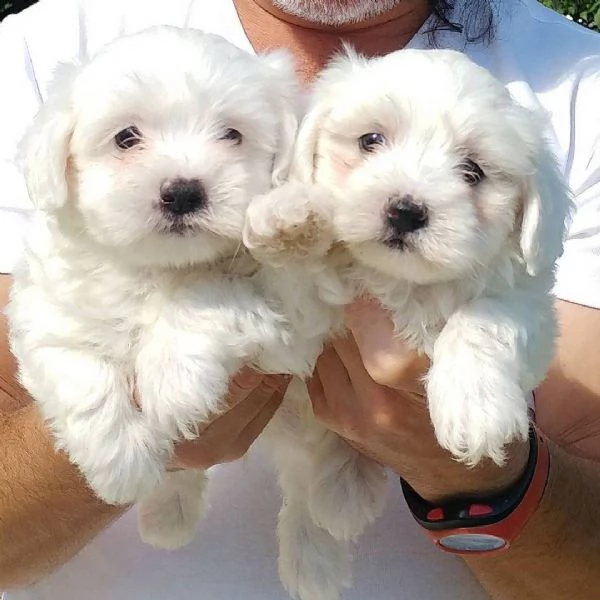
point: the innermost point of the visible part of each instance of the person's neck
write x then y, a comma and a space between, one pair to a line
312, 44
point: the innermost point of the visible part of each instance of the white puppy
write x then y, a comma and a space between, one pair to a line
141, 166
420, 182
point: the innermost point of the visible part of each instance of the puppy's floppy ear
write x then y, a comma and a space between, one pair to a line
287, 96
45, 149
546, 211
305, 153
546, 204
329, 89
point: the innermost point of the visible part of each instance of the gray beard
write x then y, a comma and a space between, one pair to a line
335, 12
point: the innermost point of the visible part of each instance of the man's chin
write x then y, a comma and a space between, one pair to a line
335, 12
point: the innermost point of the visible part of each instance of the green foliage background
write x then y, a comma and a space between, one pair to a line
586, 12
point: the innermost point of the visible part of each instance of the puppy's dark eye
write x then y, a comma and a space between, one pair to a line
369, 142
128, 138
472, 173
232, 135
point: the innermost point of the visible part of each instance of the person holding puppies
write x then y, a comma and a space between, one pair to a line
58, 540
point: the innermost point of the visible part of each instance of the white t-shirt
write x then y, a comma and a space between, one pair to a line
544, 59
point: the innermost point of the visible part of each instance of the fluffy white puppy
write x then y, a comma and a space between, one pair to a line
419, 181
140, 166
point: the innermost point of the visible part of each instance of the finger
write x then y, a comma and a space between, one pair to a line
349, 354
382, 352
331, 409
244, 411
333, 375
335, 395
256, 426
242, 384
370, 396
316, 393
245, 389
386, 358
214, 443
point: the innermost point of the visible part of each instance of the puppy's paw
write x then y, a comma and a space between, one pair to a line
312, 564
169, 517
476, 411
347, 493
289, 223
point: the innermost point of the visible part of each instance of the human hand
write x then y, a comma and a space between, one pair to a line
368, 388
253, 400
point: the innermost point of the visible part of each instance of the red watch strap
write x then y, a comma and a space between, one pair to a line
510, 527
498, 516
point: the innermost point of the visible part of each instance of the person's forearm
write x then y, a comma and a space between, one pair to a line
47, 513
557, 555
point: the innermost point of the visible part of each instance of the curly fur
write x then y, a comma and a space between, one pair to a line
111, 296
471, 289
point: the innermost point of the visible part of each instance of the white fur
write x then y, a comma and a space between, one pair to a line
109, 297
313, 564
471, 289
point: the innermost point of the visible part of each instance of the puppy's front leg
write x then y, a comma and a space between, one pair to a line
185, 360
182, 380
488, 356
292, 222
89, 404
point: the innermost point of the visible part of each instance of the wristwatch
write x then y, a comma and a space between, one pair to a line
472, 526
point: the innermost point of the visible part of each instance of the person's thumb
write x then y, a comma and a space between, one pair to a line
385, 356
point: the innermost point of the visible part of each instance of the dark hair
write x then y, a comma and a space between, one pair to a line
475, 19
8, 7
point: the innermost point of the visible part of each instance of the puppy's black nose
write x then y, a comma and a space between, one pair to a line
405, 215
182, 196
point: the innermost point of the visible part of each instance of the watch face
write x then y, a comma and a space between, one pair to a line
472, 542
